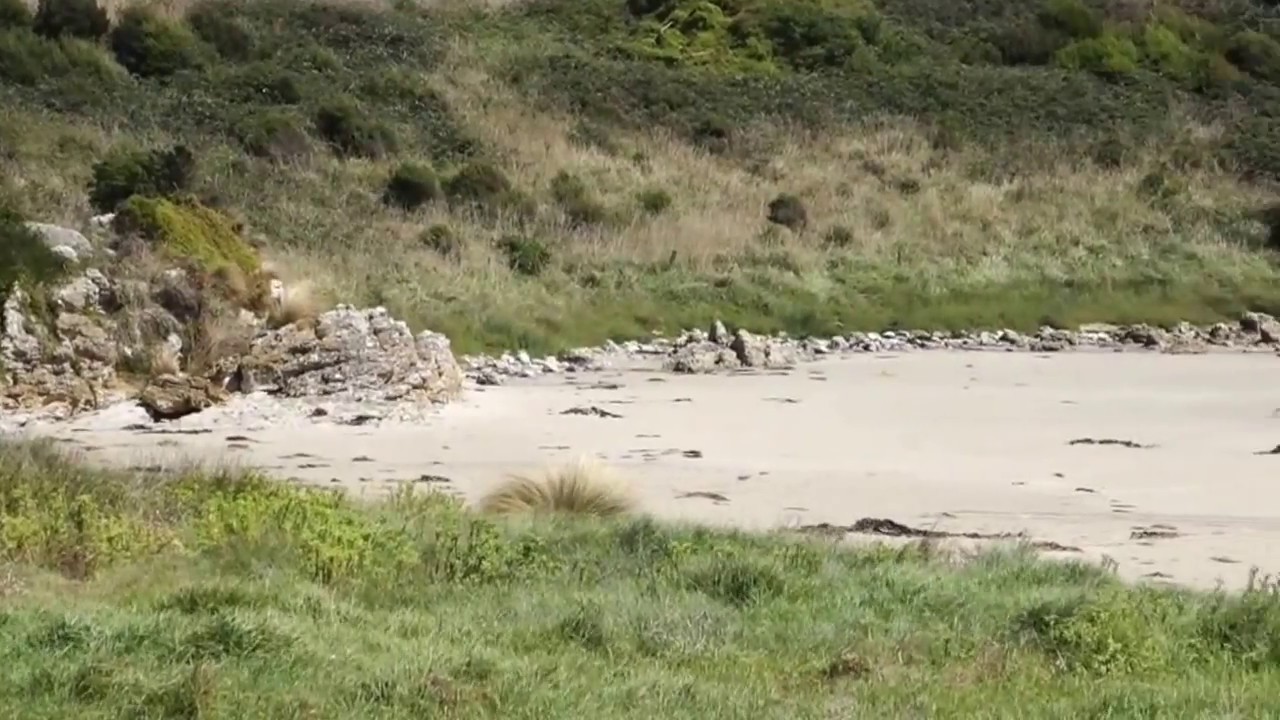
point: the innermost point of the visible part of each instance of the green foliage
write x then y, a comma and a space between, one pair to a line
352, 132
807, 34
1271, 218
480, 186
443, 241
1256, 54
788, 211
71, 18
573, 197
1072, 18
24, 257
217, 24
1110, 55
411, 186
838, 237
127, 171
654, 201
525, 255
1107, 634
150, 45
263, 82
1247, 626
183, 228
28, 59
15, 14
274, 134
1169, 55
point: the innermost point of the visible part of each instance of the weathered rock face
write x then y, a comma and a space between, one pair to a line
63, 357
56, 237
357, 354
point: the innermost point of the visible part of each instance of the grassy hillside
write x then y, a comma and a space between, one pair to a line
214, 595
547, 172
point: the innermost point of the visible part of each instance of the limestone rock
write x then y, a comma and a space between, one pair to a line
168, 397
762, 351
55, 237
358, 354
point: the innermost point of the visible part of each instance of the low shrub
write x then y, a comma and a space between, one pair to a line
351, 132
788, 211
126, 172
24, 256
28, 59
1109, 55
481, 186
71, 18
274, 134
1257, 54
411, 186
1072, 18
525, 255
573, 197
838, 237
1271, 218
264, 82
654, 201
15, 14
150, 45
216, 23
443, 241
1109, 633
185, 229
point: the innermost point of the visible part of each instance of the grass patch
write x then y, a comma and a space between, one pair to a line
268, 599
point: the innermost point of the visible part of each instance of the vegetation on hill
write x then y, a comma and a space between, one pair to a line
546, 173
222, 595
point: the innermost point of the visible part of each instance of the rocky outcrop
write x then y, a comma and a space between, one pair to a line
718, 350
69, 244
355, 354
169, 397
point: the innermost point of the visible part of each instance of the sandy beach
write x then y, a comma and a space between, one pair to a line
1159, 462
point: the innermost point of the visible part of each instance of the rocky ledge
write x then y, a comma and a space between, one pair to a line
717, 349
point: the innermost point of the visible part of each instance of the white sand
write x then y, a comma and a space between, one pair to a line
955, 441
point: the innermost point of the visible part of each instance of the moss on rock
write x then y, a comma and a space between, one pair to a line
185, 229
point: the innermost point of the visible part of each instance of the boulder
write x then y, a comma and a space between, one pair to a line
169, 397
356, 354
55, 237
703, 352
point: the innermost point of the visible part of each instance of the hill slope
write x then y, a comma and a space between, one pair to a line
549, 173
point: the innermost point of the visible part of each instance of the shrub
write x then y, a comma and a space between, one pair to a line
1072, 18
479, 185
1027, 43
216, 24
1160, 185
24, 255
808, 36
654, 201
14, 14
1109, 55
788, 211
1271, 218
571, 194
579, 489
127, 172
274, 134
411, 186
71, 18
263, 82
351, 132
838, 237
525, 255
1256, 54
442, 240
28, 59
149, 45
185, 229
1102, 634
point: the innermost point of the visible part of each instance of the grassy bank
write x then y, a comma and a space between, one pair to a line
225, 596
547, 173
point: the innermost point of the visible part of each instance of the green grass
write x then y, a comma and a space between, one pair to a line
217, 595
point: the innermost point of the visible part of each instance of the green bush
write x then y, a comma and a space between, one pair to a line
411, 186
71, 18
1027, 43
1072, 18
126, 172
149, 45
28, 59
15, 14
217, 24
1109, 55
1271, 218
274, 134
1247, 626
654, 201
1110, 633
788, 211
442, 240
264, 82
479, 185
352, 132
807, 35
1256, 54
573, 197
1169, 55
24, 255
183, 228
525, 255
838, 237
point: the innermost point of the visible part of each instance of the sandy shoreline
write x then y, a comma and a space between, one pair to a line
976, 442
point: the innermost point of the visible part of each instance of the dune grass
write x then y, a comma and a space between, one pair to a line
584, 488
222, 595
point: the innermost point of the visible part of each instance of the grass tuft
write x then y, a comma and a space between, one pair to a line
582, 488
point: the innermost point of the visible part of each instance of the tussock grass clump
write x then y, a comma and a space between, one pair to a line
411, 186
150, 45
581, 488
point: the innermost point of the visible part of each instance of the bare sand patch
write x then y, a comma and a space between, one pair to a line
1159, 462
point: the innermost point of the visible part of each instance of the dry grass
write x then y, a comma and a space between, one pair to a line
299, 303
582, 488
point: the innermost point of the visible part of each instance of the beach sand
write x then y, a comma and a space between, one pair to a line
963, 442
